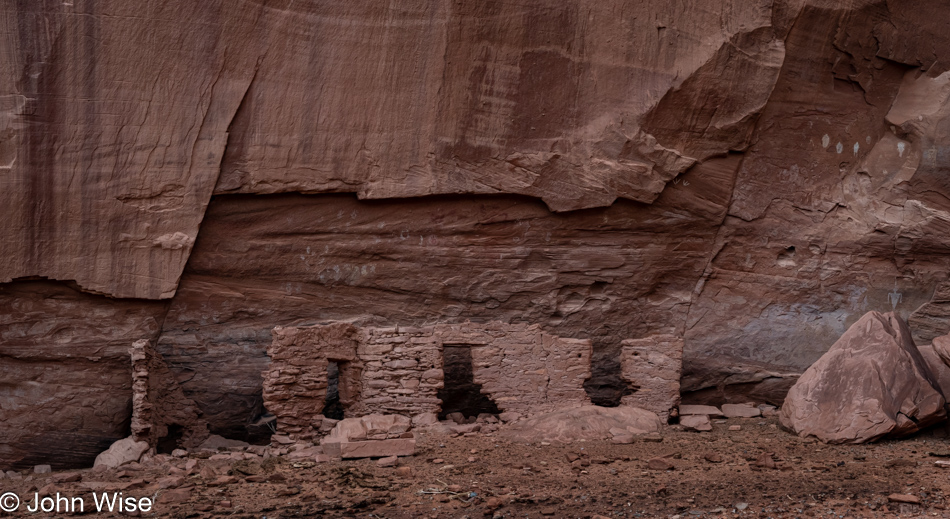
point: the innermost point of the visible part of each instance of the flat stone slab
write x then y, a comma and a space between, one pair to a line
371, 448
708, 410
740, 411
696, 422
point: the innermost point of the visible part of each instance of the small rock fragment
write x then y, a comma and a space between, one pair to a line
509, 416
765, 461
660, 464
389, 461
713, 457
904, 498
175, 496
696, 423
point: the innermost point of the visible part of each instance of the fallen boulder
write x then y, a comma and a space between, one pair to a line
873, 383
583, 423
121, 452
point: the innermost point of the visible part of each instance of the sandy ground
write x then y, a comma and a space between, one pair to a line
758, 471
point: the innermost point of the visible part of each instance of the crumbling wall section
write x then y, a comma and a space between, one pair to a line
652, 366
522, 369
295, 382
159, 403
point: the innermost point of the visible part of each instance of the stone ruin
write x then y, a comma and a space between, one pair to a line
320, 374
514, 370
162, 416
652, 368
518, 367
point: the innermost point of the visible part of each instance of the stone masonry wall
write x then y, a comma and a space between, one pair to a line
652, 366
400, 370
159, 403
523, 369
295, 383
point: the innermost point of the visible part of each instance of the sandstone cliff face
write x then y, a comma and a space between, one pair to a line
749, 176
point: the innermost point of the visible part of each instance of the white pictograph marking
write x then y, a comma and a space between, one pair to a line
894, 297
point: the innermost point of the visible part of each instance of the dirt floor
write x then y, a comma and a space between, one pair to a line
757, 471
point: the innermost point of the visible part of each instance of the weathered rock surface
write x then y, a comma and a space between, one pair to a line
838, 201
873, 383
937, 356
941, 346
757, 176
445, 260
583, 423
67, 384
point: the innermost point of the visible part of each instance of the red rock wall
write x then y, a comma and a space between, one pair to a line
750, 176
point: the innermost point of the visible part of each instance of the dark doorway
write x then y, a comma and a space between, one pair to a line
333, 407
169, 442
460, 393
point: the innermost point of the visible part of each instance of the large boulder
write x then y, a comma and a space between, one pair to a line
126, 450
873, 383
